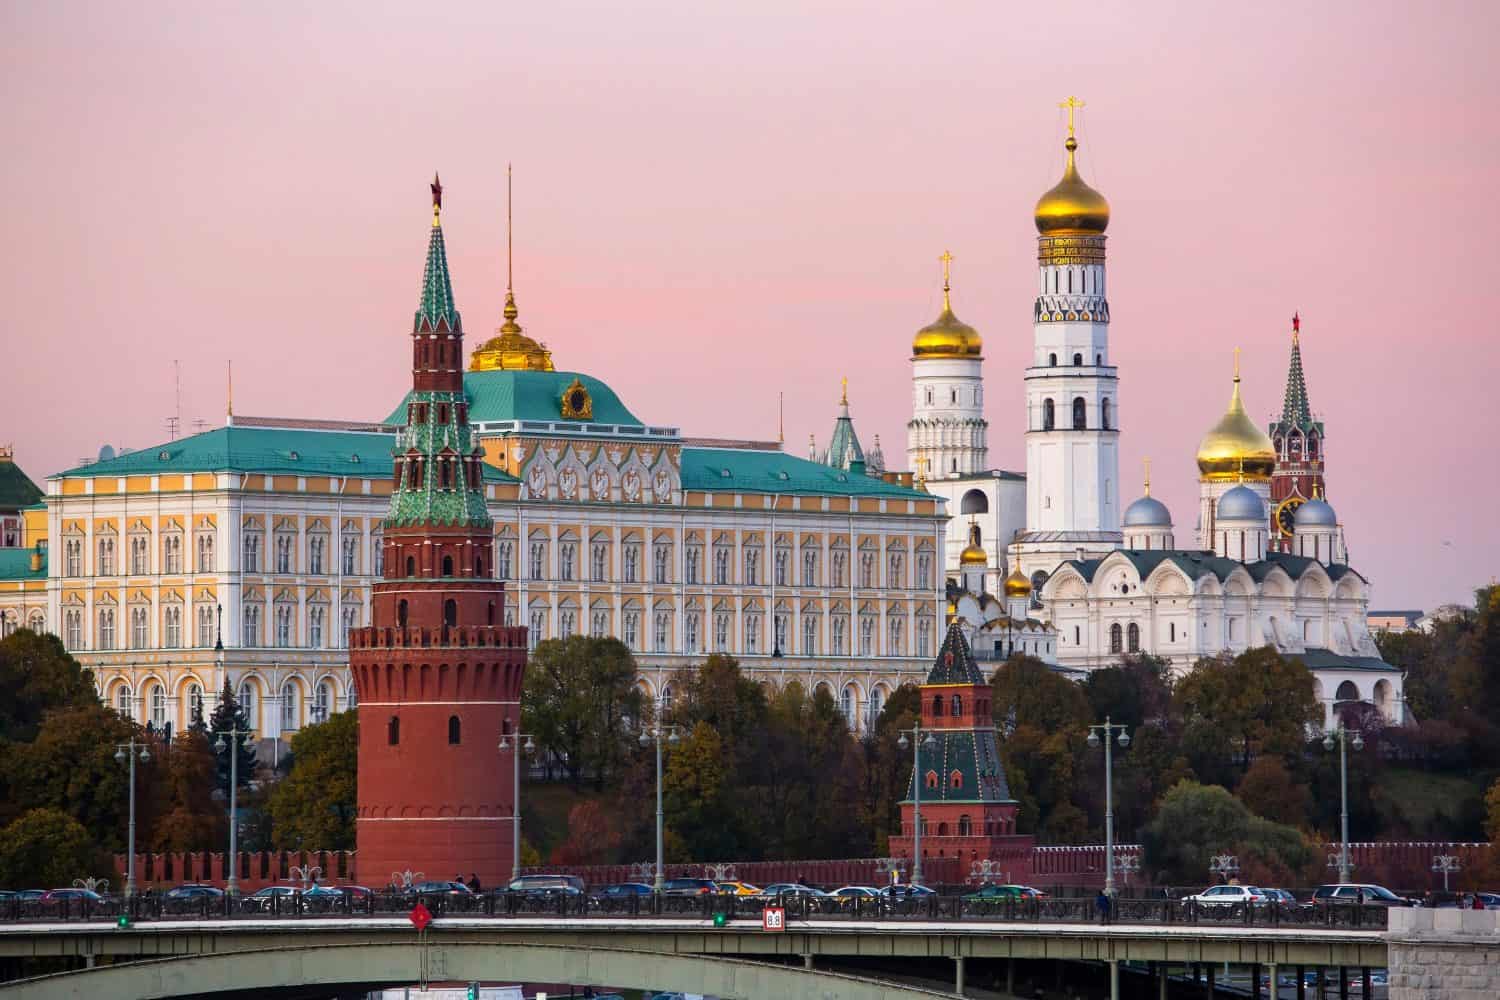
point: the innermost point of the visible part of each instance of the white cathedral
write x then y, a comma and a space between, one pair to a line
1048, 562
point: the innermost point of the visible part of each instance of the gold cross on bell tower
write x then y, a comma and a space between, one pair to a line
947, 259
1071, 104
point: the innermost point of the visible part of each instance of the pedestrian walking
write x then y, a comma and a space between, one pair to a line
473, 881
1102, 904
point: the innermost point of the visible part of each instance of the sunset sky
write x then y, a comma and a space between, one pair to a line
716, 202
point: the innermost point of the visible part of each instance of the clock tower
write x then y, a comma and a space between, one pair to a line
1299, 442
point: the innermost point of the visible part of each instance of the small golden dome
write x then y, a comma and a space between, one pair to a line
973, 553
947, 336
511, 350
952, 609
1235, 448
1071, 207
1016, 585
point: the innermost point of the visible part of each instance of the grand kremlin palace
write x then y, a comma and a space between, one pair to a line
246, 553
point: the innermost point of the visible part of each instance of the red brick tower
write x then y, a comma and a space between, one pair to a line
967, 809
438, 676
1299, 450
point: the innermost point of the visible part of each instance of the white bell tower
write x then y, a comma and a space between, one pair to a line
947, 433
1072, 389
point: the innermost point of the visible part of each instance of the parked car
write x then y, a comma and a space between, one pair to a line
1228, 895
59, 895
623, 890
689, 887
906, 890
28, 895
192, 891
848, 896
440, 889
1281, 898
1355, 892
1000, 893
354, 892
273, 897
546, 886
734, 887
788, 890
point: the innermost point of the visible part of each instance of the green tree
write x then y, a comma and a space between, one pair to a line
36, 676
578, 698
228, 716
1137, 691
1041, 755
1196, 822
313, 807
887, 768
44, 848
1239, 706
698, 799
71, 767
190, 818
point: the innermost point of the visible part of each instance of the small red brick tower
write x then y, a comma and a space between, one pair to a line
967, 809
1299, 450
439, 677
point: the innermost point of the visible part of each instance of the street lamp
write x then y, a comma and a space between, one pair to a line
657, 733
917, 745
1224, 865
1345, 738
131, 752
1113, 732
232, 884
529, 747
1447, 864
1125, 864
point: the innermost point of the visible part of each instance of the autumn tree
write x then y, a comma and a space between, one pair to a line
37, 676
70, 767
313, 807
190, 818
1196, 822
1240, 706
698, 799
44, 848
1041, 755
592, 838
1269, 789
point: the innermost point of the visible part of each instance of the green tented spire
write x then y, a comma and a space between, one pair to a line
844, 451
1295, 410
437, 288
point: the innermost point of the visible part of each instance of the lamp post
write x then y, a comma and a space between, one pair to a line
129, 753
1113, 732
917, 744
232, 883
505, 747
1125, 864
1447, 864
658, 734
1345, 738
1224, 865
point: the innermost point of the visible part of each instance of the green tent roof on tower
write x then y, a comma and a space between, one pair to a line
437, 306
955, 661
844, 451
16, 488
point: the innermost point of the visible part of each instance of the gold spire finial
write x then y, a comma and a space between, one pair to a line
844, 396
1236, 364
1242, 459
509, 247
1071, 104
947, 259
1148, 476
229, 393
437, 199
781, 418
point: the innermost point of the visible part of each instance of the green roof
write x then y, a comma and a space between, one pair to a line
15, 564
743, 470
1320, 658
530, 395
272, 450
955, 663
16, 488
1198, 564
437, 306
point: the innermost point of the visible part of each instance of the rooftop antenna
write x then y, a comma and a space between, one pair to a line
781, 418
229, 397
175, 420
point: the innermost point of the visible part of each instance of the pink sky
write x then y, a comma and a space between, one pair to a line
715, 204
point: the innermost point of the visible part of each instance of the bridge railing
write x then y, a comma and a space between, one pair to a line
501, 905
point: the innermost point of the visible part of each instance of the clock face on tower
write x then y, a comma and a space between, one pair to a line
1286, 515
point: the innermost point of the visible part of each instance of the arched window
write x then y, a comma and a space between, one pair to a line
1052, 360
932, 779
450, 612
956, 779
937, 706
401, 613
1104, 414
1116, 638
1080, 414
411, 567
1347, 692
393, 730
1049, 415
1133, 638
1078, 361
447, 565
490, 614
124, 703
455, 731
965, 826
288, 706
958, 706
846, 704
195, 703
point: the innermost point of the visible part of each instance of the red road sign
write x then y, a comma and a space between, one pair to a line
420, 917
773, 918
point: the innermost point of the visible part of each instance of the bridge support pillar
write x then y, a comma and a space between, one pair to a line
1114, 979
1255, 982
1275, 985
807, 960
1208, 983
1162, 974
1010, 976
958, 975
1301, 982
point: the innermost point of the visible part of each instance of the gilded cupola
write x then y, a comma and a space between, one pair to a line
1016, 585
973, 553
1235, 448
1072, 207
947, 336
510, 349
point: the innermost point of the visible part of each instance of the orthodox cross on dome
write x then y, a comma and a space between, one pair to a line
947, 259
1071, 104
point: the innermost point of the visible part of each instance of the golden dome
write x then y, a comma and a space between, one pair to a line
1235, 448
1071, 207
1016, 585
973, 553
947, 336
511, 350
